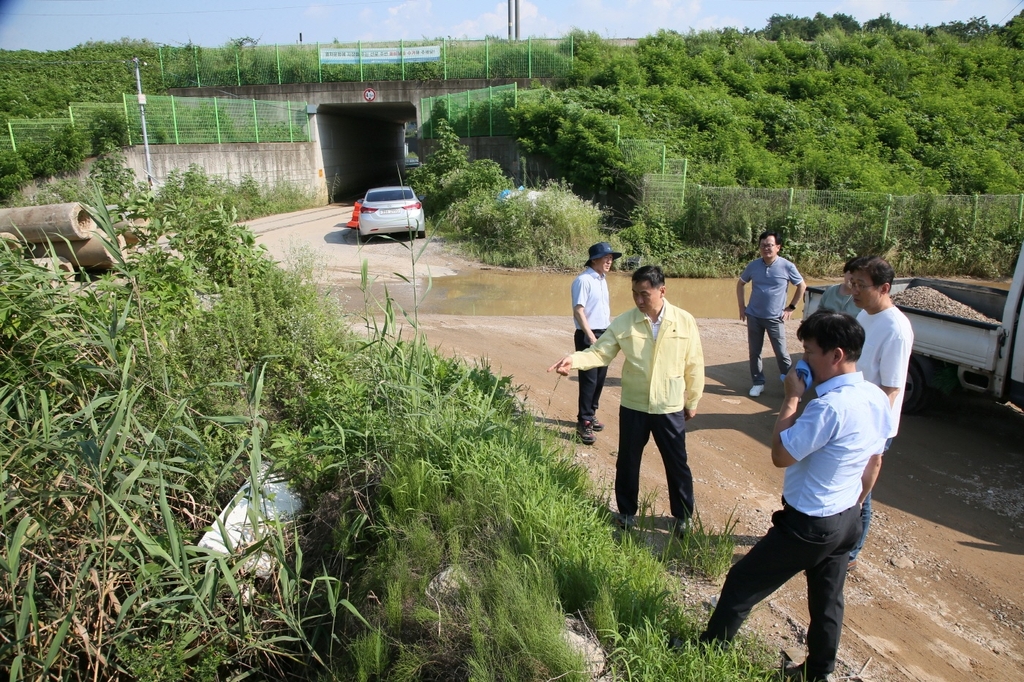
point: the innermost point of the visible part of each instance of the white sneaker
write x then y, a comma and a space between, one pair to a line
756, 390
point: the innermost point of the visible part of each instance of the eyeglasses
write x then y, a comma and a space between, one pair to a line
854, 284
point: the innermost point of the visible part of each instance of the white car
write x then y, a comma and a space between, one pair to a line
389, 210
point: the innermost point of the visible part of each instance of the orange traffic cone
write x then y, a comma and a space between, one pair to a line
354, 220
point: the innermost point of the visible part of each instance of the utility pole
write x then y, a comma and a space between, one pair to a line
517, 20
142, 115
510, 19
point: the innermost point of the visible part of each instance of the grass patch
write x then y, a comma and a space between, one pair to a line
446, 535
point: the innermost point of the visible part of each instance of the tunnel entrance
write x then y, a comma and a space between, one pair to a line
363, 145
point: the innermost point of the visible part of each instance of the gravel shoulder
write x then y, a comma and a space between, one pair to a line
938, 591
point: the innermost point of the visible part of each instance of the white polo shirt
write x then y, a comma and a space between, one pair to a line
832, 441
590, 290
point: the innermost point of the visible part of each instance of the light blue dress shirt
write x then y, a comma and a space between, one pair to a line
832, 441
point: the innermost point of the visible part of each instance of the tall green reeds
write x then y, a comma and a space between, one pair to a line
112, 468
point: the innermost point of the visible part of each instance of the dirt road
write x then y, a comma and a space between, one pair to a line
939, 590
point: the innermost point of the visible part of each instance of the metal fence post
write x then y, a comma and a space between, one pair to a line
885, 225
490, 111
515, 95
529, 57
71, 115
682, 200
127, 122
291, 138
663, 148
1020, 212
618, 131
277, 52
469, 114
174, 118
216, 119
401, 55
444, 56
195, 58
319, 64
10, 131
487, 58
789, 206
160, 56
256, 122
572, 53
359, 48
238, 69
974, 217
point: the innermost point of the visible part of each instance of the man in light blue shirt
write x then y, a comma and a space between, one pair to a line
824, 453
767, 312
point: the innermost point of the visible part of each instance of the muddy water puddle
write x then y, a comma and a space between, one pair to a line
502, 292
525, 293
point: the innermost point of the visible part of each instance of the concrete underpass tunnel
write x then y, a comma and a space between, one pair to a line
363, 145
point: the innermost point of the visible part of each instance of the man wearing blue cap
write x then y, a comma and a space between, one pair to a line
591, 311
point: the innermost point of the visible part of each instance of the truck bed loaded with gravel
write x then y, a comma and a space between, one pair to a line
964, 330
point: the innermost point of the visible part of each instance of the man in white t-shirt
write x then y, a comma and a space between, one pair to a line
884, 361
591, 311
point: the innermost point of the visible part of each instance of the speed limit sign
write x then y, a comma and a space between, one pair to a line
369, 94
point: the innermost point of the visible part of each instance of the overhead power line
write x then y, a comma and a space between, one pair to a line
207, 11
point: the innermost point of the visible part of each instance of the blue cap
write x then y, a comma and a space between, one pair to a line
600, 250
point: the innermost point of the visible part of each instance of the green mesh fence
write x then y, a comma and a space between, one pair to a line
473, 113
34, 131
644, 156
174, 120
193, 66
214, 120
979, 233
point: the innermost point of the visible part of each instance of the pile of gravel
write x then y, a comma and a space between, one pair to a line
926, 298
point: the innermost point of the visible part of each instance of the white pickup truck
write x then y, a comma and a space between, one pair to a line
987, 357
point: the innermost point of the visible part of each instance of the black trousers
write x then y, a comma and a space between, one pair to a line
795, 542
669, 430
591, 380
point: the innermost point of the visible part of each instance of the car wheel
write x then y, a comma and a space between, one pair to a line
915, 395
422, 234
360, 239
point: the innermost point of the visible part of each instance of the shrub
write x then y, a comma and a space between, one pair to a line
548, 227
14, 174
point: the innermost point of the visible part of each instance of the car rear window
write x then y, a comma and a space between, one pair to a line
390, 195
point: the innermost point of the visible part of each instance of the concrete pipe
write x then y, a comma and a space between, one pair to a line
53, 264
89, 253
126, 228
38, 224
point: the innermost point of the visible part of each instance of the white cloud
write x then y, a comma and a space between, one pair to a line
318, 12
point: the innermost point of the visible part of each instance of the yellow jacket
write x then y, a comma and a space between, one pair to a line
659, 376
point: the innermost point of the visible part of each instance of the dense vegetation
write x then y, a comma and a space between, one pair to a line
847, 139
815, 103
136, 404
474, 204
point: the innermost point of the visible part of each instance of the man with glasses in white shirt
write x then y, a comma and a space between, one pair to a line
884, 361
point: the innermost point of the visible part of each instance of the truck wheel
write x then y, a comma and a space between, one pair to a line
915, 396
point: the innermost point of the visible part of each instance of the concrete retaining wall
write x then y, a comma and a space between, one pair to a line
296, 163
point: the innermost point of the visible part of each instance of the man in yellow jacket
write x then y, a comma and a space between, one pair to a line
662, 382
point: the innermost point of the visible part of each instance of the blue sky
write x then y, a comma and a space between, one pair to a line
60, 24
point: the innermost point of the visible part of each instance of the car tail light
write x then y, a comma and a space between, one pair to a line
412, 207
367, 209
